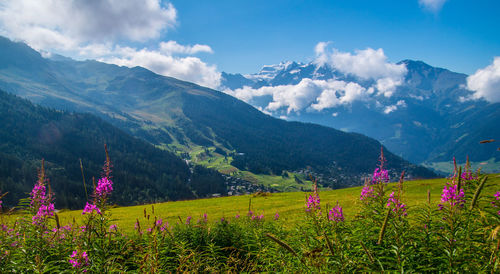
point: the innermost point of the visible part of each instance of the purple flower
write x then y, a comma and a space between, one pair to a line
90, 208
41, 203
366, 192
79, 260
104, 188
44, 212
276, 216
237, 216
250, 213
336, 214
380, 176
313, 202
159, 222
497, 195
38, 194
398, 206
205, 217
452, 197
468, 176
113, 228
188, 220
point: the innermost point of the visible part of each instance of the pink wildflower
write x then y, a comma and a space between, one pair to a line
79, 260
380, 176
313, 202
90, 208
336, 214
366, 192
276, 216
452, 197
104, 188
398, 206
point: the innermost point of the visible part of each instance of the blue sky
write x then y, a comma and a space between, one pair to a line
244, 35
197, 40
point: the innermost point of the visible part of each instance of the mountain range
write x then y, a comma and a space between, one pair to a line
428, 119
176, 115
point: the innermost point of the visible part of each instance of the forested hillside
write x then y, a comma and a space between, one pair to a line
29, 133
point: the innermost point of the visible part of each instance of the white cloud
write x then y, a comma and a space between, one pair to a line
314, 94
368, 64
486, 82
321, 53
101, 29
172, 47
62, 24
186, 68
391, 108
432, 5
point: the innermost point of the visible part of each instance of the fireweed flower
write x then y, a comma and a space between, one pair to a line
104, 188
90, 208
113, 228
496, 202
313, 202
398, 206
380, 175
366, 192
41, 203
188, 220
276, 216
468, 176
79, 260
159, 222
44, 212
452, 197
336, 214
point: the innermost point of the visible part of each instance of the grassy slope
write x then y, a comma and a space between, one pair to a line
222, 164
289, 205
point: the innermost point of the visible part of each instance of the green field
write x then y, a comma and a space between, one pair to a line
289, 205
209, 158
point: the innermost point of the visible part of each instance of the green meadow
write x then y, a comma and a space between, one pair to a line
289, 205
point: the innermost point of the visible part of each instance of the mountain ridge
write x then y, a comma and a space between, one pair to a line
171, 113
419, 121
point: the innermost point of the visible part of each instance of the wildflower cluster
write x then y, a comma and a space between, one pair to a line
90, 208
496, 201
104, 188
41, 203
397, 206
313, 202
366, 192
380, 175
79, 260
452, 197
336, 214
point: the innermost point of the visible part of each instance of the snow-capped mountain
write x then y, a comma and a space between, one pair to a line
421, 112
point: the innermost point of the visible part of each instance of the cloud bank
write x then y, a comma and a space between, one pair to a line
307, 94
369, 65
486, 82
104, 30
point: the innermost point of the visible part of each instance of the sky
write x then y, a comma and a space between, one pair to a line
197, 40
